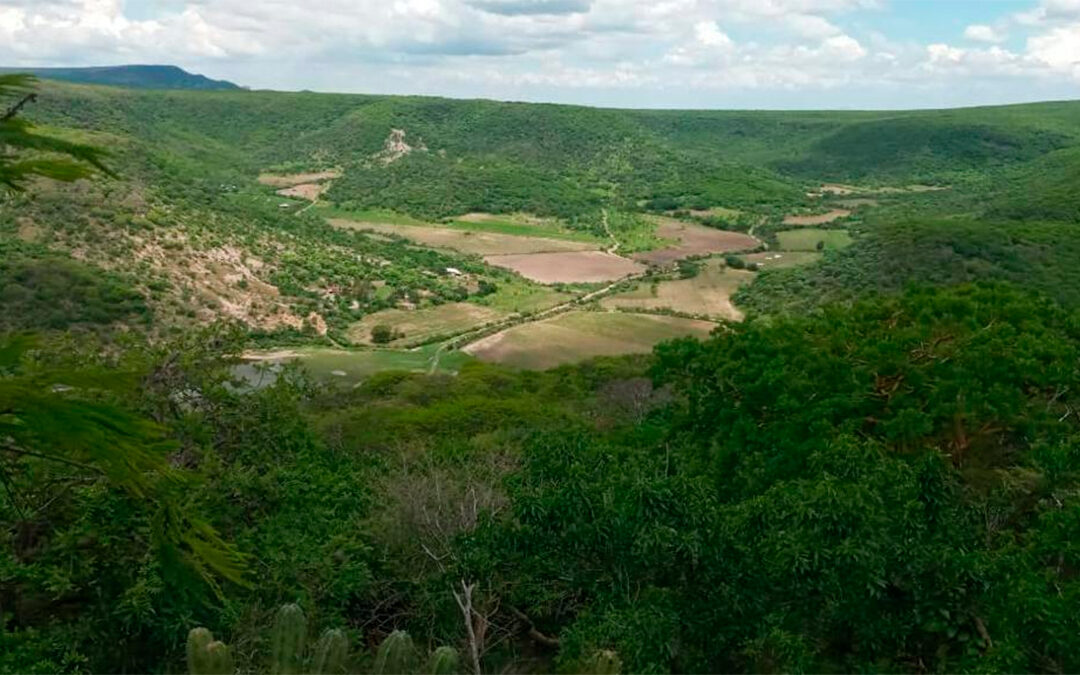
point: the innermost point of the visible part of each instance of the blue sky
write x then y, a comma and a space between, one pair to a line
659, 53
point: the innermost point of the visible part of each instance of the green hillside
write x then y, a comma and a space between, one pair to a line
138, 77
252, 417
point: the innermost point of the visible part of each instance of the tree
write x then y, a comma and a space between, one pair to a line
382, 334
25, 154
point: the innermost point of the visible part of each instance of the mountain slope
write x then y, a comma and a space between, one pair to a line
135, 76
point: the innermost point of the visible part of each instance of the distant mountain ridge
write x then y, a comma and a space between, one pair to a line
134, 76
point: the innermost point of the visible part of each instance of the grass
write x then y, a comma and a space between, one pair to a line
807, 239
772, 260
349, 368
368, 216
576, 336
420, 325
517, 297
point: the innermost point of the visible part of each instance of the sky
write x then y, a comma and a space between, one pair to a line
761, 54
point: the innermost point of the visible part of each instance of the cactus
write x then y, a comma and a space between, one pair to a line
330, 652
604, 662
205, 656
444, 661
287, 641
219, 659
198, 640
396, 655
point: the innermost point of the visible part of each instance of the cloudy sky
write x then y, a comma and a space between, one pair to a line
636, 53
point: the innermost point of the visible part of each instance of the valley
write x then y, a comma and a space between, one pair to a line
302, 382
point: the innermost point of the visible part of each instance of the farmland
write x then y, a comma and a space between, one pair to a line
809, 239
417, 326
694, 240
706, 294
568, 268
576, 336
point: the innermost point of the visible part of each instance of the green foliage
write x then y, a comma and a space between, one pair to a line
27, 154
818, 501
892, 255
44, 291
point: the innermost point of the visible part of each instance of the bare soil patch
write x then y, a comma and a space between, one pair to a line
289, 180
570, 268
576, 336
477, 243
309, 191
694, 240
818, 219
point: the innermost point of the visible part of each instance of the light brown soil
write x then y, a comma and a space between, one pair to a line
707, 294
574, 267
694, 240
419, 324
309, 191
576, 336
478, 243
819, 219
781, 259
289, 180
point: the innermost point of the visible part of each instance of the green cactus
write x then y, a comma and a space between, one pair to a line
287, 641
444, 661
396, 655
219, 659
330, 652
205, 656
604, 662
198, 640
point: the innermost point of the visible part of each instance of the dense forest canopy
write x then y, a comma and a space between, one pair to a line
876, 470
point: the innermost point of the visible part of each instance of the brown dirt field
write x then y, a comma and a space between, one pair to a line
839, 189
289, 180
576, 336
308, 191
694, 240
517, 218
419, 324
477, 243
819, 219
569, 268
707, 294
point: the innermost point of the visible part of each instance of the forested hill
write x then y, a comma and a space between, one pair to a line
135, 76
877, 470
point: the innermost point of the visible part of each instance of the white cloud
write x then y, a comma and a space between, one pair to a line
469, 46
983, 33
1058, 48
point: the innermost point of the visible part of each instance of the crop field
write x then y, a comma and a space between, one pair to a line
694, 240
709, 293
522, 297
569, 268
577, 336
808, 239
782, 259
469, 241
345, 367
289, 180
817, 219
418, 325
520, 224
309, 191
